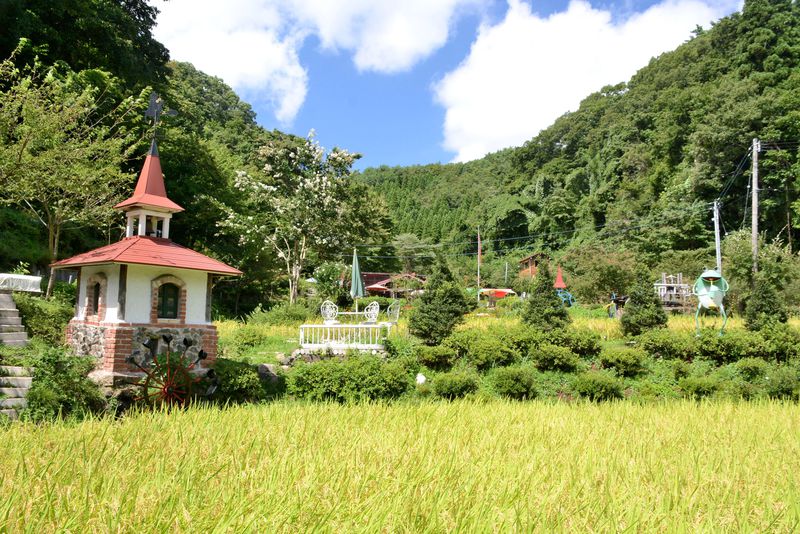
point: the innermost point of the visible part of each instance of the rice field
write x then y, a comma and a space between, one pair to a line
406, 467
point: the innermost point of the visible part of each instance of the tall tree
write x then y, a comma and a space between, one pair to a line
302, 202
61, 159
114, 35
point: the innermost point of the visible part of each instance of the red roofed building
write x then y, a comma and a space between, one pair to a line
143, 287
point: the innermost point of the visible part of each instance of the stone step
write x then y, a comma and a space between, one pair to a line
13, 403
13, 336
11, 321
15, 370
5, 328
10, 413
15, 381
13, 393
23, 343
8, 312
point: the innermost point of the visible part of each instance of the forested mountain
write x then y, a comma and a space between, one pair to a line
626, 178
635, 166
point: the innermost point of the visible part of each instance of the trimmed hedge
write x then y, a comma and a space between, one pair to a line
455, 384
515, 382
357, 378
626, 362
439, 357
238, 382
44, 319
598, 386
554, 358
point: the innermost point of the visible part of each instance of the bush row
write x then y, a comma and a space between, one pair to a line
777, 342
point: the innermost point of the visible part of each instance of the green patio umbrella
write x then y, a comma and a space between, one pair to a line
356, 283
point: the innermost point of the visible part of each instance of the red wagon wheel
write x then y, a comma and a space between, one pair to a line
168, 378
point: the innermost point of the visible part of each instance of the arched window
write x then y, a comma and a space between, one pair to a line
168, 297
95, 299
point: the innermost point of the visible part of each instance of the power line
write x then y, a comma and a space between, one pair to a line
653, 224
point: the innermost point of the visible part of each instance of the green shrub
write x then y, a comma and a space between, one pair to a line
751, 368
439, 357
643, 311
442, 306
61, 388
730, 347
667, 345
782, 382
520, 338
598, 386
455, 384
357, 378
481, 349
462, 340
584, 343
44, 319
65, 293
781, 342
489, 352
764, 307
399, 345
554, 358
680, 369
543, 308
285, 313
516, 382
237, 382
626, 362
697, 387
247, 336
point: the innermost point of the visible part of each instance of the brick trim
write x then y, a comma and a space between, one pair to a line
100, 313
155, 284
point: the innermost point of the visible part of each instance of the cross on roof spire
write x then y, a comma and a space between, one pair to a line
154, 111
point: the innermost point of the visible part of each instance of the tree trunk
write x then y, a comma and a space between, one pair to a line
294, 282
53, 238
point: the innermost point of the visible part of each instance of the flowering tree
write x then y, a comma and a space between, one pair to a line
303, 202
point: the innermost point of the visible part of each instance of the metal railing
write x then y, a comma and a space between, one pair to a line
343, 336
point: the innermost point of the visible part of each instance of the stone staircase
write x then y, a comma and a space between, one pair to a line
14, 385
11, 330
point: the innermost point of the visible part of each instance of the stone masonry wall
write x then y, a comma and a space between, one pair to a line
114, 343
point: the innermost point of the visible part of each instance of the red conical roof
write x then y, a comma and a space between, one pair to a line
150, 191
559, 284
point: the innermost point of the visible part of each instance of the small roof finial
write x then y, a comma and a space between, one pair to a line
154, 111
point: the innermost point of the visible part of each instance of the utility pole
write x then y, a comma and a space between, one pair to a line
754, 225
479, 266
506, 276
717, 241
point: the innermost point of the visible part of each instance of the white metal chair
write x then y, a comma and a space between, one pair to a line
329, 312
371, 312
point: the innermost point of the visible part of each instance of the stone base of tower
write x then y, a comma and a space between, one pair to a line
113, 344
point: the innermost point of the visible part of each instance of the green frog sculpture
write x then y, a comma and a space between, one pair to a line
710, 290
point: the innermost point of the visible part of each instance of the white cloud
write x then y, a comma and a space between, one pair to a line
524, 72
253, 44
384, 36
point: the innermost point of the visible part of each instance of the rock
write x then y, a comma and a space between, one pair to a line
268, 372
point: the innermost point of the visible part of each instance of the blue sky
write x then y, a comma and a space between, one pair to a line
423, 81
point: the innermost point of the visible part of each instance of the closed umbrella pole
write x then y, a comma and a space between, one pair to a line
356, 283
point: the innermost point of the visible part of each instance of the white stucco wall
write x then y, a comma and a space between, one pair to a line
112, 290
138, 298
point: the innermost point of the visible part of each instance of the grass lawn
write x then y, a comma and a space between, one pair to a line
429, 467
